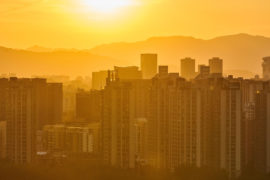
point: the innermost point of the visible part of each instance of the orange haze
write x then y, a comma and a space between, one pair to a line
70, 23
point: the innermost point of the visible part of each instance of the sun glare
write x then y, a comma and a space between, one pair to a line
107, 6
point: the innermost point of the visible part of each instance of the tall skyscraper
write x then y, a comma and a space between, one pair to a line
28, 106
188, 68
148, 65
124, 101
216, 66
22, 120
173, 124
48, 100
221, 116
266, 68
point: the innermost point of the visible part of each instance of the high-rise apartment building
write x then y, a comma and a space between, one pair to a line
78, 140
54, 138
48, 101
221, 114
95, 130
141, 142
195, 123
203, 71
173, 123
163, 70
124, 73
22, 120
3, 139
216, 66
124, 101
261, 161
148, 65
88, 106
69, 102
127, 73
249, 89
28, 105
266, 68
3, 116
247, 136
55, 103
68, 139
188, 68
99, 80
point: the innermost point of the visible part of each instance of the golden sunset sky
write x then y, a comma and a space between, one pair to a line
86, 23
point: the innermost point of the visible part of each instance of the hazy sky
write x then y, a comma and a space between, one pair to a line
84, 23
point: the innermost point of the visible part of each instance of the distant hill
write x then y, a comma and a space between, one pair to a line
242, 54
37, 48
27, 63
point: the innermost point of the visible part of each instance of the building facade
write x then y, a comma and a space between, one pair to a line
148, 65
29, 105
124, 101
266, 68
216, 66
188, 68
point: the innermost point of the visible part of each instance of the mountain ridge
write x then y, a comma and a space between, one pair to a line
239, 51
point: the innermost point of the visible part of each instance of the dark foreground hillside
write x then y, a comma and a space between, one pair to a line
88, 171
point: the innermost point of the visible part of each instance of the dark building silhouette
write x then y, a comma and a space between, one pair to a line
204, 71
55, 103
266, 68
4, 83
262, 130
195, 123
124, 103
166, 121
173, 128
29, 105
249, 91
88, 106
3, 139
221, 124
163, 70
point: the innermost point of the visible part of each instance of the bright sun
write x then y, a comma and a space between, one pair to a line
107, 6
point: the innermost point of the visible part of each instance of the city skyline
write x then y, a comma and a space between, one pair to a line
134, 90
140, 117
